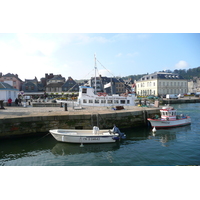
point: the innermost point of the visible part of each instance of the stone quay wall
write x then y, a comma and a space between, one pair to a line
15, 121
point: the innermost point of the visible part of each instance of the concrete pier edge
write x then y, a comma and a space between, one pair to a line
18, 121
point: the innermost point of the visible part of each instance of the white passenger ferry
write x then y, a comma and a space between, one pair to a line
87, 97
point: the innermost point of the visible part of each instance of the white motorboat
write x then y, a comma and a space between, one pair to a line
88, 136
169, 118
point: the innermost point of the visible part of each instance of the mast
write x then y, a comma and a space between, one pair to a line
95, 79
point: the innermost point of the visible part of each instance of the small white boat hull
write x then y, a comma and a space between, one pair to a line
162, 123
83, 136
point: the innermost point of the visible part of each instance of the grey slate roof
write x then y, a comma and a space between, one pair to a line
4, 86
161, 75
12, 75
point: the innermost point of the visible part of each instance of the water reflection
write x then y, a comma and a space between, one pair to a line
11, 149
162, 135
71, 149
166, 135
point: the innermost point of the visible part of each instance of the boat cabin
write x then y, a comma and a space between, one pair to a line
168, 113
88, 98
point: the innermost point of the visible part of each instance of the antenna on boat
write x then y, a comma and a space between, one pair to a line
95, 79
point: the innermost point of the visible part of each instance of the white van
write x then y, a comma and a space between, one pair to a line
171, 96
181, 96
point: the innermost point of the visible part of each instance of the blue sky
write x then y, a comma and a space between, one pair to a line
72, 54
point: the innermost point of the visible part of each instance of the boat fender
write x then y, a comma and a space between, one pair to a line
123, 137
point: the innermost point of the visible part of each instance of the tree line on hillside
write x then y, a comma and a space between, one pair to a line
185, 73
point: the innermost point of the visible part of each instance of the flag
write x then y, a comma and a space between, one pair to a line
107, 85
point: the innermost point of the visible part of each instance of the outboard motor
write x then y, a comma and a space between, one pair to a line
121, 135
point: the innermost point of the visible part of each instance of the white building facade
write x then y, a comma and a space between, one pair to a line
161, 83
7, 91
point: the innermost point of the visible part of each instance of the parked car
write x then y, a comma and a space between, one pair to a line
152, 97
197, 94
180, 95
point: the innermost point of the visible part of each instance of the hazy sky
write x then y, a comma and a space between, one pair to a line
123, 54
60, 38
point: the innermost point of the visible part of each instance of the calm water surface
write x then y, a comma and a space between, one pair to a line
167, 147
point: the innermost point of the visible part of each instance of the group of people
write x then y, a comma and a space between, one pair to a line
18, 102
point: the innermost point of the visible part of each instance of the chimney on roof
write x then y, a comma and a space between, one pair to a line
16, 75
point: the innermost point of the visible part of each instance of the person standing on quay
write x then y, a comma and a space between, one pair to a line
16, 102
9, 101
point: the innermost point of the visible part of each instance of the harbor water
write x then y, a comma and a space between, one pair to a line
166, 147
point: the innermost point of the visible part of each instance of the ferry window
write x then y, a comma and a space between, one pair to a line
123, 101
116, 101
109, 101
90, 101
84, 90
96, 101
103, 101
128, 101
84, 100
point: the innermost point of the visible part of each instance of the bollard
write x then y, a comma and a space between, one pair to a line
61, 105
65, 106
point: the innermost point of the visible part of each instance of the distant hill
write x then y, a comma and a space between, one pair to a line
187, 74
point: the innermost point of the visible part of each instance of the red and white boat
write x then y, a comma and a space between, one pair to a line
169, 118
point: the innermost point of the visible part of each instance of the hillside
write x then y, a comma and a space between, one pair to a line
187, 74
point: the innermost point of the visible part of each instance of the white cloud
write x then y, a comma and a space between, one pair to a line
104, 72
32, 45
143, 36
119, 55
182, 65
133, 54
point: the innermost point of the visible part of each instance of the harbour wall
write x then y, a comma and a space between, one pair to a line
29, 125
178, 101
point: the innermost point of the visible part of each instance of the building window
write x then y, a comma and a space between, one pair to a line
90, 101
116, 101
103, 101
84, 100
122, 101
109, 101
96, 101
84, 90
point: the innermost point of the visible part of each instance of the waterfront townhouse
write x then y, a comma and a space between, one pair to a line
110, 85
70, 86
11, 79
54, 85
32, 87
161, 83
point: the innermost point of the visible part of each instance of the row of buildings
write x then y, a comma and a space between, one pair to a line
158, 84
